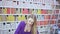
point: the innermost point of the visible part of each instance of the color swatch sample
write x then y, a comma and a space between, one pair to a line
52, 21
57, 11
4, 10
46, 22
8, 10
47, 16
50, 11
54, 16
17, 11
19, 18
30, 11
38, 23
13, 10
23, 17
58, 21
0, 18
39, 11
10, 18
25, 11
20, 10
44, 11
0, 10
40, 17
34, 11
4, 18
43, 22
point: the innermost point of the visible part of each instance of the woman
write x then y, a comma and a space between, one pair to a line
27, 27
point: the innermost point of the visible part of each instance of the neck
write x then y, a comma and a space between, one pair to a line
27, 28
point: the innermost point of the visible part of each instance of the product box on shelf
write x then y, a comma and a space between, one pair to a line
4, 18
18, 11
47, 16
40, 17
49, 11
8, 25
54, 16
30, 11
6, 31
14, 3
1, 3
19, 18
12, 31
24, 11
10, 18
13, 25
0, 18
1, 25
57, 11
34, 11
52, 21
44, 11
4, 10
23, 17
8, 11
39, 11
13, 11
0, 10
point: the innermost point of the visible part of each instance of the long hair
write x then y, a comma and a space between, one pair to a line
34, 27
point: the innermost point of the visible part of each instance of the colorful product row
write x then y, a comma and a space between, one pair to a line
46, 22
26, 11
43, 17
24, 17
12, 18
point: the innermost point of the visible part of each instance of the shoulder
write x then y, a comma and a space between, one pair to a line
22, 22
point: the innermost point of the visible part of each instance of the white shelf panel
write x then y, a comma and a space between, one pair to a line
9, 21
8, 29
57, 9
43, 14
37, 20
47, 20
14, 14
27, 14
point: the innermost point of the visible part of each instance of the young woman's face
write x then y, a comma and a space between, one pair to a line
30, 21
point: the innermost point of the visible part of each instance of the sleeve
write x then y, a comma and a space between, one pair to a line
18, 30
37, 32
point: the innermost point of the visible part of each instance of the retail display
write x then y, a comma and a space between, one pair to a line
12, 12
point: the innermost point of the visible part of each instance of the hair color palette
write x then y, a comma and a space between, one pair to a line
44, 11
0, 10
24, 11
8, 11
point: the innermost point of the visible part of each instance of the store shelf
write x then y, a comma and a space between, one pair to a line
14, 14
27, 14
44, 17
9, 21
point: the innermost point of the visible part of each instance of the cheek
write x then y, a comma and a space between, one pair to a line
29, 22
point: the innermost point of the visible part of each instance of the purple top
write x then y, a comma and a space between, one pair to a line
20, 29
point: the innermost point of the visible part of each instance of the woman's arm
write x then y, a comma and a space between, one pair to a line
18, 28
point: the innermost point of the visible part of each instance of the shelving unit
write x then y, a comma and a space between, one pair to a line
44, 10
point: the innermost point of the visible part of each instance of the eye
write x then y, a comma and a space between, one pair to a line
29, 20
